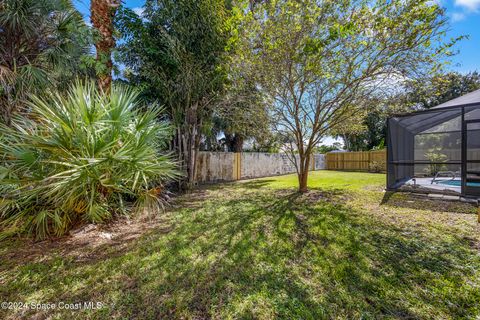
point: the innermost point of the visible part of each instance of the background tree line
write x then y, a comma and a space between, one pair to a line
280, 75
367, 131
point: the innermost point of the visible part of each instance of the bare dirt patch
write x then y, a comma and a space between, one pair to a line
87, 242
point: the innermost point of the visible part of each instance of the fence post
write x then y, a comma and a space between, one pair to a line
237, 166
239, 175
234, 167
369, 160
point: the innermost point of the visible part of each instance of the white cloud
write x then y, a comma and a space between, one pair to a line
87, 21
458, 16
138, 11
471, 5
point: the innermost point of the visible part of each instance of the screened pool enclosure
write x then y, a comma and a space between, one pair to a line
438, 150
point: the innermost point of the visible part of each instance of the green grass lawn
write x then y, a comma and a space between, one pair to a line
258, 250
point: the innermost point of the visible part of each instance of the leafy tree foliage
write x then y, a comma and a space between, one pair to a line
369, 129
328, 148
365, 128
43, 43
372, 136
175, 53
242, 115
313, 59
440, 88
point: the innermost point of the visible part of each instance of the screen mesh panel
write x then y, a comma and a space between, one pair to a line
472, 113
425, 148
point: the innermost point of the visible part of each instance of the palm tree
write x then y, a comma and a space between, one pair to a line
79, 157
41, 42
102, 14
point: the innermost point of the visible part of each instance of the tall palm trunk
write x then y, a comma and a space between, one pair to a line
102, 13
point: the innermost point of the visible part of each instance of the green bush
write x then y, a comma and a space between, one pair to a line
376, 166
82, 157
434, 155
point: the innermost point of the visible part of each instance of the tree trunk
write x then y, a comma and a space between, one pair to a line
229, 141
189, 140
303, 174
238, 143
346, 142
179, 150
234, 142
102, 13
302, 182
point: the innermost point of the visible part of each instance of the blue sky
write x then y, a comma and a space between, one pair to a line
464, 19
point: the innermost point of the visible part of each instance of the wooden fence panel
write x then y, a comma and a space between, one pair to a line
357, 161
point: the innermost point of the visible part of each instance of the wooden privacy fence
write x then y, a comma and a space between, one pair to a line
374, 161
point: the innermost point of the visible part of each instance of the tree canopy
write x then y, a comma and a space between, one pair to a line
369, 129
174, 53
440, 88
314, 59
43, 43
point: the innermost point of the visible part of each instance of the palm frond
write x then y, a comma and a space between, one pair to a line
80, 159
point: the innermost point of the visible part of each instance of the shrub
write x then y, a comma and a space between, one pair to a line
376, 166
435, 155
82, 157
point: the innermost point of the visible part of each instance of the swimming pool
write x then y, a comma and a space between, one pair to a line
457, 183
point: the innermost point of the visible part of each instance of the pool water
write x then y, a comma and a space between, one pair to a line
458, 183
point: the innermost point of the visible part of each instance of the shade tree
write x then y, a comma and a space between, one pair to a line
314, 59
174, 53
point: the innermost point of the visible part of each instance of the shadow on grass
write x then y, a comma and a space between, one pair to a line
255, 184
270, 255
412, 201
386, 197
